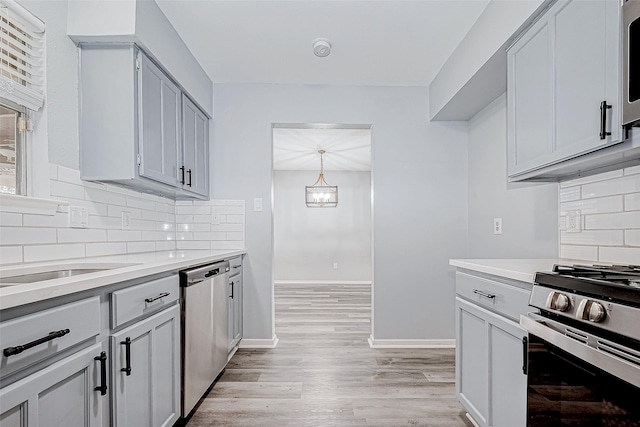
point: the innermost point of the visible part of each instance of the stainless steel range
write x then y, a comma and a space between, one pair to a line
582, 355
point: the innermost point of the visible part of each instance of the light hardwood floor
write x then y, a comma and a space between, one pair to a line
323, 373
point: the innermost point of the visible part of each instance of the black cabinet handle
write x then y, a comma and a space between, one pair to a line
189, 172
102, 388
11, 351
603, 119
525, 355
182, 174
484, 294
231, 296
162, 295
127, 355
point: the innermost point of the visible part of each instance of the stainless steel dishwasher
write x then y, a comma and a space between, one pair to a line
205, 336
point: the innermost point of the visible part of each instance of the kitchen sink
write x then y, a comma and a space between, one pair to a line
55, 272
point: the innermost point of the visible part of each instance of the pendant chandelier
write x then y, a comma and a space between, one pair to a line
321, 194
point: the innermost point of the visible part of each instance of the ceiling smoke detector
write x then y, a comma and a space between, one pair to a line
321, 48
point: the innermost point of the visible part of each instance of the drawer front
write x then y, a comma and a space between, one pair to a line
81, 319
236, 266
141, 300
509, 301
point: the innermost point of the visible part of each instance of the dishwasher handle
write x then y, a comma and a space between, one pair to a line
200, 274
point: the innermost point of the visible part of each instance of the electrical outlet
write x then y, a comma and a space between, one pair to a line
497, 225
335, 265
78, 217
126, 220
257, 204
573, 221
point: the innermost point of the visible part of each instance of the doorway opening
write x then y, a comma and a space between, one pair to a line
322, 266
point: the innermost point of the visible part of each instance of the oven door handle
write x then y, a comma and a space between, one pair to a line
613, 365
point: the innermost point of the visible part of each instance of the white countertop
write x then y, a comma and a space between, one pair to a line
523, 270
120, 268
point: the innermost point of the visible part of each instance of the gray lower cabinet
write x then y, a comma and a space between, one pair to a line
146, 371
62, 394
560, 74
490, 382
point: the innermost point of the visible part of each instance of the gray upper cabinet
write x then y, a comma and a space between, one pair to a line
137, 127
195, 128
563, 86
160, 148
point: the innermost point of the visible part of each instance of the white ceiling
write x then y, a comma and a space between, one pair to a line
393, 42
346, 149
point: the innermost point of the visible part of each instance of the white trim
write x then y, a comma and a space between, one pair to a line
470, 418
29, 205
232, 352
322, 282
386, 343
258, 343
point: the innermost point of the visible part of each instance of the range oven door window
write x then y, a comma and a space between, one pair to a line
566, 391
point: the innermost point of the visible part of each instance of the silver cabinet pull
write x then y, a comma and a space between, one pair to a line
162, 295
484, 294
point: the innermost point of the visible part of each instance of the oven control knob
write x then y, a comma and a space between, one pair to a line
593, 311
558, 301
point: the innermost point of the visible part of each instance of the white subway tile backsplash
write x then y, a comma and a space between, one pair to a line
632, 237
10, 254
632, 170
593, 178
29, 236
610, 208
76, 235
154, 223
133, 247
620, 255
192, 244
624, 185
594, 238
569, 194
587, 253
102, 249
593, 206
10, 219
632, 202
103, 196
613, 221
53, 252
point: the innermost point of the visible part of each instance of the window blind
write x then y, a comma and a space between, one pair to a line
21, 56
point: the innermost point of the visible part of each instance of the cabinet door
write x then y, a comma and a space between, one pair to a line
159, 122
61, 395
508, 383
195, 128
148, 395
586, 72
529, 82
472, 374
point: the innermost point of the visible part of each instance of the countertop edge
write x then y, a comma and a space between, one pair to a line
18, 295
523, 270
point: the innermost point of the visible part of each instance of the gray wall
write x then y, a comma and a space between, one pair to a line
529, 212
307, 241
419, 203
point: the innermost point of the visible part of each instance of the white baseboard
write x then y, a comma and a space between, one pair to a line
322, 282
472, 420
259, 343
385, 343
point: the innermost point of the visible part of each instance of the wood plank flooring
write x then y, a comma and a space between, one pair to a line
324, 374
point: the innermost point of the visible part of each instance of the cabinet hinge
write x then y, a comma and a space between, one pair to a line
138, 159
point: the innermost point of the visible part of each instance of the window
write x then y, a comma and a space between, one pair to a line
12, 158
21, 89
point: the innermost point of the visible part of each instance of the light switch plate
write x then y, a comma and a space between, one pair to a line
78, 217
497, 225
257, 204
